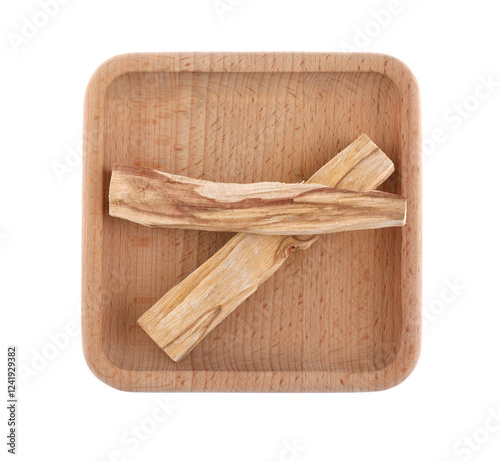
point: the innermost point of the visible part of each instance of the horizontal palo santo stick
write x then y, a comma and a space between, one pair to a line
195, 306
158, 199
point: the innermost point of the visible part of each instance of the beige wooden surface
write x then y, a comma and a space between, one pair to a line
348, 317
189, 311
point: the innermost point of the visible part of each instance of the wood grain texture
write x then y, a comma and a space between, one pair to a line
153, 198
193, 308
349, 319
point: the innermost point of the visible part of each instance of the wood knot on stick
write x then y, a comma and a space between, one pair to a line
289, 250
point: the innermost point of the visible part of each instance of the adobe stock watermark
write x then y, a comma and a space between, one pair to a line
380, 19
3, 237
56, 342
69, 162
449, 294
137, 434
222, 7
472, 442
455, 116
31, 26
290, 451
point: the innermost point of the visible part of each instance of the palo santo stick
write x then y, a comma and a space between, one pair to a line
195, 306
158, 199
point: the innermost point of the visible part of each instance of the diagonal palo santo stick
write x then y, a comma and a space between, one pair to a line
153, 198
191, 309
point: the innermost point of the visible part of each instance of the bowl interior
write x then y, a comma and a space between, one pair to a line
334, 307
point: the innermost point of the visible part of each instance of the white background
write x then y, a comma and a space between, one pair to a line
67, 414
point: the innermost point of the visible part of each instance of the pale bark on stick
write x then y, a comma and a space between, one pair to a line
158, 199
195, 306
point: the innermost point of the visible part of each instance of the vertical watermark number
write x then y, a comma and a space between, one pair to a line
11, 399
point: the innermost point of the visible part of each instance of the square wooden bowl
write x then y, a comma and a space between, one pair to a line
344, 315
